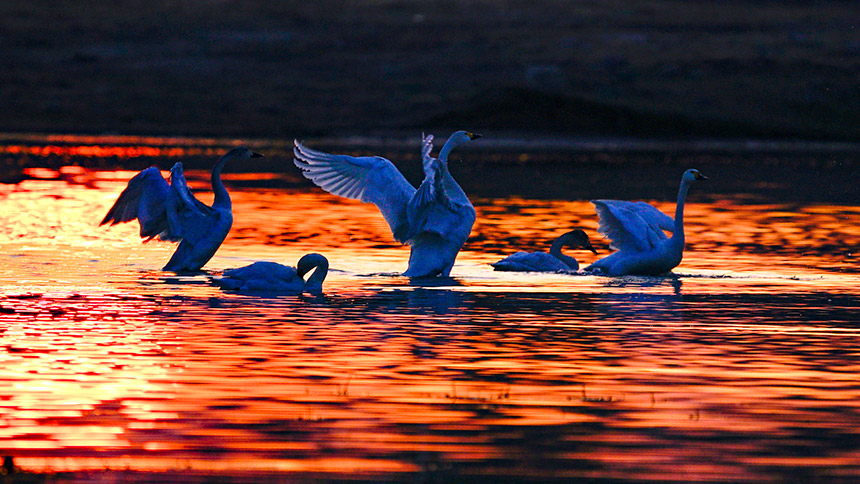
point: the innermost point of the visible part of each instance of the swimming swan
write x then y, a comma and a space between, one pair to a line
636, 231
265, 276
542, 262
170, 212
435, 220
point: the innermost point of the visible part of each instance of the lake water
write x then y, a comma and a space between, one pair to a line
741, 368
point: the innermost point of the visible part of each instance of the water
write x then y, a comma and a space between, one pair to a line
742, 368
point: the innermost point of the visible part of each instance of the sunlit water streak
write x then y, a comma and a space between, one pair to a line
741, 368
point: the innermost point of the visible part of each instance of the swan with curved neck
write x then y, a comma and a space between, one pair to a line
221, 197
554, 261
637, 232
264, 276
169, 211
435, 219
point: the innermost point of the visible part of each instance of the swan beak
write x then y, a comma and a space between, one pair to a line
256, 155
591, 248
699, 176
474, 135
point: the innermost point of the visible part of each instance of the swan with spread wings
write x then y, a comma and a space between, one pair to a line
636, 230
169, 211
435, 219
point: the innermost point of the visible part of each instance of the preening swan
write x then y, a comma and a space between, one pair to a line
542, 262
636, 231
435, 220
265, 276
170, 212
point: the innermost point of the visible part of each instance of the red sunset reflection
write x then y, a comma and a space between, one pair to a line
722, 372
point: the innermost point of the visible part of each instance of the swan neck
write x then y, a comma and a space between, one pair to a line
446, 149
315, 280
679, 210
555, 251
555, 248
222, 198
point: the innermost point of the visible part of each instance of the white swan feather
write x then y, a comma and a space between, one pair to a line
631, 225
636, 231
370, 179
435, 219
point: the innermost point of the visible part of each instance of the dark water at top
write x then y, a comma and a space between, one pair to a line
742, 368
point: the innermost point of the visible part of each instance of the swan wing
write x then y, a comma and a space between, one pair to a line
426, 149
430, 209
263, 270
452, 188
188, 218
625, 227
145, 199
648, 212
261, 276
371, 179
530, 262
433, 211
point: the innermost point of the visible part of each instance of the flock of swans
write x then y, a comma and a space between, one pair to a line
434, 220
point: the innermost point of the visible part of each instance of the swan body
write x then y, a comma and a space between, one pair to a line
435, 219
636, 231
169, 211
554, 261
264, 276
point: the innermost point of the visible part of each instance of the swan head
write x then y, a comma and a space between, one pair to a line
576, 239
239, 152
458, 138
310, 262
461, 137
692, 175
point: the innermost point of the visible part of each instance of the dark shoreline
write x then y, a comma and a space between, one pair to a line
692, 69
496, 141
757, 171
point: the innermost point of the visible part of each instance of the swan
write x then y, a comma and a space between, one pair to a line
170, 212
542, 262
435, 220
636, 230
263, 276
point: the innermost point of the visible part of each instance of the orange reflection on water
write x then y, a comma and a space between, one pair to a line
47, 146
107, 139
105, 151
723, 372
70, 362
259, 470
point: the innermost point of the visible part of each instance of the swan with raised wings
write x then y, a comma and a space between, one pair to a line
636, 231
435, 219
554, 261
264, 276
170, 212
